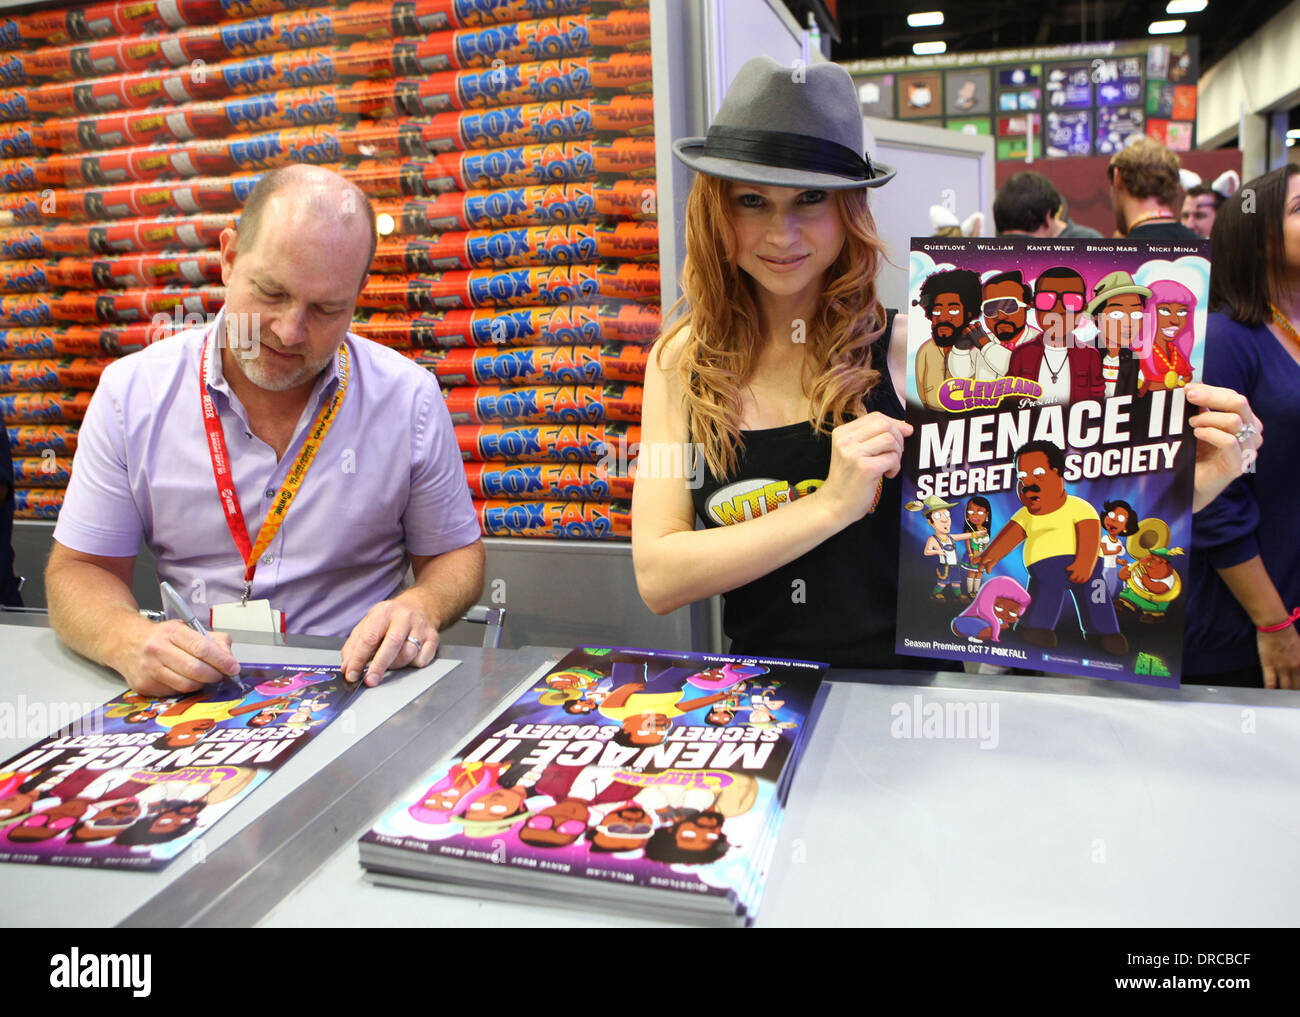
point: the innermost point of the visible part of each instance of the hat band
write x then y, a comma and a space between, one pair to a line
786, 151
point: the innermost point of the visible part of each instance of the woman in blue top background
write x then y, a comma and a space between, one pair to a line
1245, 568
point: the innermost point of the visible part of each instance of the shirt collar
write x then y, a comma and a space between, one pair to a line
215, 334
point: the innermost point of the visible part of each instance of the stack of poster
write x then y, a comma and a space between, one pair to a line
133, 784
647, 782
1048, 481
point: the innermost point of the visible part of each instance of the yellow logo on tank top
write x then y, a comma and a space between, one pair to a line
749, 499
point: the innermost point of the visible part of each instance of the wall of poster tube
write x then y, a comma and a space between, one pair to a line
507, 146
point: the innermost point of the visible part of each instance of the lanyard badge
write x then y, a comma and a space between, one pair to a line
250, 552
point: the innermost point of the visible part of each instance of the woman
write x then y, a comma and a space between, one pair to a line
783, 375
777, 377
1244, 582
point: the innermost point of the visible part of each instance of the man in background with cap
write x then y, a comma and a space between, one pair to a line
334, 461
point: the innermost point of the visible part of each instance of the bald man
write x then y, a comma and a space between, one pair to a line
269, 456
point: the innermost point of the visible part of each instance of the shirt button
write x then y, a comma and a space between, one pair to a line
267, 559
269, 492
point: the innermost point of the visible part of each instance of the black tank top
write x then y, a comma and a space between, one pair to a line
837, 603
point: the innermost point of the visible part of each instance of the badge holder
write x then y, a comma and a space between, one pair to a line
248, 616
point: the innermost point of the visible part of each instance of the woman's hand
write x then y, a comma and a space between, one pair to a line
863, 452
1220, 457
1279, 656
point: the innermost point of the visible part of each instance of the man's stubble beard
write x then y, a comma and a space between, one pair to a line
254, 369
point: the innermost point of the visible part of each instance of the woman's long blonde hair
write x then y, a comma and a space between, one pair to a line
718, 308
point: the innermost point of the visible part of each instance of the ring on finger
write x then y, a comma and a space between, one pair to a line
1245, 434
419, 644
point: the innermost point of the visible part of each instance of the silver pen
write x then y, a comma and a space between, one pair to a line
174, 604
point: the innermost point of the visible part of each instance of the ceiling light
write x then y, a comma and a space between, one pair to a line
1166, 27
929, 48
1186, 6
384, 224
926, 19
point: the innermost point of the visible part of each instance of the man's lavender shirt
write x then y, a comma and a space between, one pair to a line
386, 481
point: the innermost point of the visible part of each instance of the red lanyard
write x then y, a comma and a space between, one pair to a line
250, 552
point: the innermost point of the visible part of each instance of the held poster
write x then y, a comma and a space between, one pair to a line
133, 784
1048, 482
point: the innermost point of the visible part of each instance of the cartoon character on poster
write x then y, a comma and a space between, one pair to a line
942, 546
1167, 337
1119, 521
997, 608
1151, 583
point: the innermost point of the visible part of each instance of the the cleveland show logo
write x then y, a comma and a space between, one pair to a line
961, 395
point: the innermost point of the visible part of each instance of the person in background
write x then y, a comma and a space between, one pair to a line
1028, 204
1244, 572
944, 223
1073, 229
1145, 191
9, 596
1201, 203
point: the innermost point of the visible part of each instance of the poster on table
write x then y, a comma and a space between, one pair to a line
649, 780
132, 784
1048, 481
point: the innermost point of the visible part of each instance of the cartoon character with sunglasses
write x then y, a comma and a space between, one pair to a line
1067, 370
1004, 327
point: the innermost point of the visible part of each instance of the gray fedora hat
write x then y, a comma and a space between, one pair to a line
787, 127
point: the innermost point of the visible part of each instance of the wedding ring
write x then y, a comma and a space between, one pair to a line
412, 639
1245, 433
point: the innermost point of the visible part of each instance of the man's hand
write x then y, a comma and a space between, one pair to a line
170, 657
386, 639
